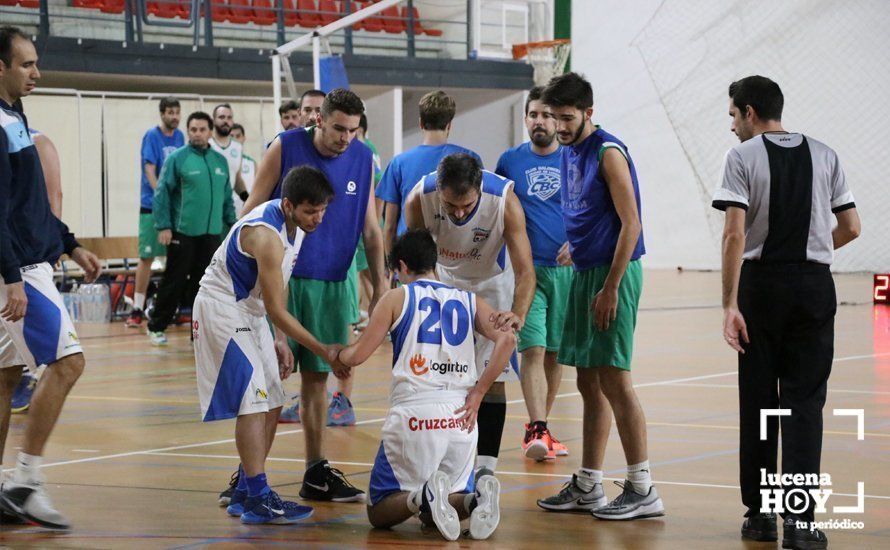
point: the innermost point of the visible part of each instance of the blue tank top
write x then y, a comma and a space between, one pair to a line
328, 251
592, 224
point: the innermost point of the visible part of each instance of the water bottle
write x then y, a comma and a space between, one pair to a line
104, 303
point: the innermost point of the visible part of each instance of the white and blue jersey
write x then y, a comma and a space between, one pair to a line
232, 276
473, 253
537, 182
432, 341
433, 370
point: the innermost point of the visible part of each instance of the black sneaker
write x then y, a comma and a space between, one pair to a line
760, 527
802, 539
225, 498
322, 482
9, 519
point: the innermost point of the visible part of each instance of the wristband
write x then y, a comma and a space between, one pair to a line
243, 195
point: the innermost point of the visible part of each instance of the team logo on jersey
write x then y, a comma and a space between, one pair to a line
418, 365
195, 330
350, 188
262, 395
480, 234
167, 150
543, 181
574, 182
218, 172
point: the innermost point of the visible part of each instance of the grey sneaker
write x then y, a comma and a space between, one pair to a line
31, 503
573, 498
486, 515
435, 502
631, 504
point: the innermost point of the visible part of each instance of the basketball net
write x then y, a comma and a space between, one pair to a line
549, 58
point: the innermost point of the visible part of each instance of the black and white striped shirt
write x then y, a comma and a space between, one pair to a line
790, 186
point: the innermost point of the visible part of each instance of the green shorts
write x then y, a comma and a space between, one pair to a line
323, 307
149, 247
583, 345
543, 324
361, 260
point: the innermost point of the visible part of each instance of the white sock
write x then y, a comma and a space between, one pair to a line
26, 468
488, 462
586, 479
639, 475
139, 300
414, 501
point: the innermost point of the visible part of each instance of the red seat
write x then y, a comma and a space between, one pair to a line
83, 3
185, 9
307, 14
219, 10
239, 11
418, 28
392, 21
108, 6
168, 9
36, 4
372, 23
8, 2
328, 11
290, 13
264, 13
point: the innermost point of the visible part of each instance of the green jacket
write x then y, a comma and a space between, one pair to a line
193, 195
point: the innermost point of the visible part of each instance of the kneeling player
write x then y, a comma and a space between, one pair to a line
425, 462
238, 372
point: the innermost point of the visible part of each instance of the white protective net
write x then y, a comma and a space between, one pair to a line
832, 60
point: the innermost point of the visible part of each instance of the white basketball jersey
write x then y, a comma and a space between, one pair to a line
234, 155
473, 250
432, 340
232, 276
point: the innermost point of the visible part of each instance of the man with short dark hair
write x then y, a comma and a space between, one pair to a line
788, 207
243, 284
437, 110
310, 107
601, 211
289, 114
157, 144
192, 205
32, 312
319, 294
534, 168
479, 227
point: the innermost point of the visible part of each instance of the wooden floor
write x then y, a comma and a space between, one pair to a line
133, 467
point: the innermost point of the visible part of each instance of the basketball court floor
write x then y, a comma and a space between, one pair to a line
133, 467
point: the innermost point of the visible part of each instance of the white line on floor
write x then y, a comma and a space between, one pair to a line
498, 472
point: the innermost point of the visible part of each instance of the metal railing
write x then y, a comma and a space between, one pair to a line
264, 25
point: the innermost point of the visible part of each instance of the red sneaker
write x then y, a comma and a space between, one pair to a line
135, 319
556, 447
536, 443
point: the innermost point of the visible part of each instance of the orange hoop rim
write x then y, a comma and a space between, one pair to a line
521, 50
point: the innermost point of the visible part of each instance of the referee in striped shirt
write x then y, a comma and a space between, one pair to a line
781, 192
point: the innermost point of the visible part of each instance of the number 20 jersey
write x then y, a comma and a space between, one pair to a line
433, 341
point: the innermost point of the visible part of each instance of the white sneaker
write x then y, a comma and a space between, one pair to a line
435, 501
31, 503
486, 515
157, 338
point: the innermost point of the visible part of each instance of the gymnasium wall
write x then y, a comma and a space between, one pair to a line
660, 71
76, 122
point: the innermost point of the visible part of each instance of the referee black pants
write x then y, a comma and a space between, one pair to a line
789, 311
187, 258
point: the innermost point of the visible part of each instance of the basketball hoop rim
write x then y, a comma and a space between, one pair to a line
521, 50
